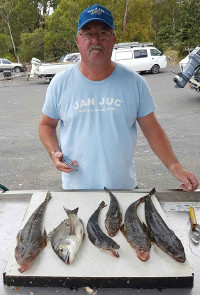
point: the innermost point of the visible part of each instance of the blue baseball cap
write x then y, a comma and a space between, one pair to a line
96, 12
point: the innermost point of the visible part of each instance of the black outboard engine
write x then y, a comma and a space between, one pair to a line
191, 69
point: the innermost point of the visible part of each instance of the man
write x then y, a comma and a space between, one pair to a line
98, 103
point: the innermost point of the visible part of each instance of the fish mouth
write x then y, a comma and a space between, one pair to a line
66, 260
113, 253
143, 256
23, 268
180, 258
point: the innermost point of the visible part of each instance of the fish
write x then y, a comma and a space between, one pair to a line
67, 237
113, 216
136, 232
31, 240
161, 234
98, 237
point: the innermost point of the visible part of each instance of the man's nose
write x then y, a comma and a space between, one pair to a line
95, 37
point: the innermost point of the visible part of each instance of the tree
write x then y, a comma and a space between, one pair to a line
6, 9
125, 18
61, 29
139, 21
32, 45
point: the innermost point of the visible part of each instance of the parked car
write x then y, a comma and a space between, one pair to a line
5, 64
70, 57
141, 57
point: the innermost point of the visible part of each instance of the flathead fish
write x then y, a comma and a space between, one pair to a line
113, 216
67, 238
97, 237
30, 240
161, 234
136, 232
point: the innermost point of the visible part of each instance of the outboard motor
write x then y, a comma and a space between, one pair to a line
35, 62
182, 78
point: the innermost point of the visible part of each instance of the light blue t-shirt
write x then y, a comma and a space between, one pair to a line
98, 125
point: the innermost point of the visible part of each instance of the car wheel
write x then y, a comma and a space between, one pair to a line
17, 69
155, 69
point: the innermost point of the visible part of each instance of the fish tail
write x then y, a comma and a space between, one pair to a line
102, 205
143, 199
48, 197
74, 211
106, 189
152, 192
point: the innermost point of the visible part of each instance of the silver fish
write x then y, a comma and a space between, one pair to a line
67, 238
30, 239
97, 237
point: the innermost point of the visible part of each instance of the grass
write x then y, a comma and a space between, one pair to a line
173, 54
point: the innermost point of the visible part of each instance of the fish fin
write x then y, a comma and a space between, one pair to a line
109, 192
106, 189
51, 233
19, 235
152, 191
71, 224
44, 240
145, 227
148, 231
45, 234
150, 235
102, 205
122, 229
143, 199
48, 197
75, 211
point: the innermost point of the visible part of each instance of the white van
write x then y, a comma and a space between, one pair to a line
141, 57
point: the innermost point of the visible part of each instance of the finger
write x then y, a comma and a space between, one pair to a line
190, 184
65, 168
185, 188
194, 181
74, 163
58, 154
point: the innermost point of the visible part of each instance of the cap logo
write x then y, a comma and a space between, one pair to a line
97, 11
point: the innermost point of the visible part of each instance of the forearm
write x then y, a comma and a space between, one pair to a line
161, 146
48, 137
158, 141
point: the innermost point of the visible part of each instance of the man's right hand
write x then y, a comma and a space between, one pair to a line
60, 165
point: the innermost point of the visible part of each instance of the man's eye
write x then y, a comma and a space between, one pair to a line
88, 34
103, 33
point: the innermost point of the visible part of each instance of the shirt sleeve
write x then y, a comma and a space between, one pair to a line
50, 108
146, 102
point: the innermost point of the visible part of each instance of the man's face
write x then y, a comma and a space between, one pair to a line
95, 42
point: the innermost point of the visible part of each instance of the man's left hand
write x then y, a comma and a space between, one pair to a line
188, 179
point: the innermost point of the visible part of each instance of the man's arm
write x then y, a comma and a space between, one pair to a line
161, 146
47, 132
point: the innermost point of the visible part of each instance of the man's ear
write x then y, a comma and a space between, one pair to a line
114, 39
77, 41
